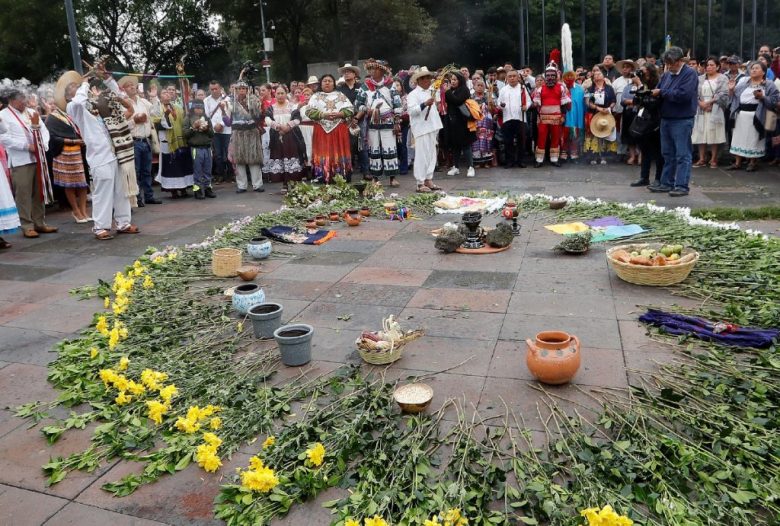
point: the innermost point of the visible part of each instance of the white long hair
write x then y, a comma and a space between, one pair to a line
566, 48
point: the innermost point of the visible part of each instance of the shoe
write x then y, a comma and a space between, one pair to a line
140, 204
103, 235
678, 192
30, 233
537, 164
153, 201
261, 189
453, 171
641, 182
557, 164
240, 190
603, 161
210, 193
659, 188
199, 194
79, 221
520, 165
46, 229
751, 168
470, 172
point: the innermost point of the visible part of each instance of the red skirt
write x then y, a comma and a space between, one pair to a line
330, 153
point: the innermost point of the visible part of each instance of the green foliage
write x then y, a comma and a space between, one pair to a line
737, 214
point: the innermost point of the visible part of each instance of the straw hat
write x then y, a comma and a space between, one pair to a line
623, 62
128, 80
67, 78
602, 124
349, 67
372, 64
312, 80
421, 72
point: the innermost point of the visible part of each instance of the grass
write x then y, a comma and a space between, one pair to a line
737, 214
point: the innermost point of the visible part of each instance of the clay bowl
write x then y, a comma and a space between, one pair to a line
334, 216
413, 398
248, 272
352, 220
365, 211
321, 220
311, 223
557, 204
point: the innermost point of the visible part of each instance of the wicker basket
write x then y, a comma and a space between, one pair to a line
225, 262
375, 355
656, 276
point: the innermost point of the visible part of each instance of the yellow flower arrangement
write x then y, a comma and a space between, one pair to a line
135, 388
168, 392
212, 439
256, 463
376, 520
106, 302
316, 454
433, 521
148, 283
122, 398
156, 411
268, 442
93, 353
185, 425
102, 325
207, 458
152, 379
453, 517
260, 479
113, 338
605, 516
108, 376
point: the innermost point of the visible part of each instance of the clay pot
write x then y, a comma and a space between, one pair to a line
334, 216
311, 223
352, 220
247, 272
321, 220
553, 357
365, 211
354, 212
557, 204
259, 247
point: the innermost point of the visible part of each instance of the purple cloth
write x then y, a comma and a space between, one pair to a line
605, 221
680, 324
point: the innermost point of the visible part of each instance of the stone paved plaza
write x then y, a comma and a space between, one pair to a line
476, 312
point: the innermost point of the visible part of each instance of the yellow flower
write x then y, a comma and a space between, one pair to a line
123, 333
605, 517
172, 256
316, 454
108, 376
148, 283
102, 326
210, 462
376, 520
136, 388
106, 302
113, 338
215, 423
186, 425
124, 361
121, 383
122, 398
453, 517
153, 379
270, 441
262, 479
168, 392
194, 413
156, 411
351, 522
433, 521
93, 352
212, 439
256, 463
240, 326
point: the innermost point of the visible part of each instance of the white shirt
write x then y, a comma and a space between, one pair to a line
619, 84
417, 121
210, 104
100, 150
18, 136
512, 98
141, 130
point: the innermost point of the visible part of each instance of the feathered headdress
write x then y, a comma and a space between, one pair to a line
566, 46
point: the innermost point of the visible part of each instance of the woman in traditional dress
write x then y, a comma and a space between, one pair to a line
601, 99
709, 127
306, 125
175, 170
401, 86
288, 151
331, 111
9, 218
460, 136
481, 149
750, 100
65, 149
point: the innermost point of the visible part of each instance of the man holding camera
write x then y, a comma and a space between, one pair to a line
218, 111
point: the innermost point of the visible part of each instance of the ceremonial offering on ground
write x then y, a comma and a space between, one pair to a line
247, 272
259, 247
225, 262
385, 346
266, 318
413, 398
651, 267
553, 357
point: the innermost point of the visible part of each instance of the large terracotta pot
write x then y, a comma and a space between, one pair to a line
553, 357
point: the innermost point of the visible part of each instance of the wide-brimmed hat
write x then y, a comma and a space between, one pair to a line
624, 62
312, 80
602, 125
127, 79
67, 78
734, 59
422, 72
372, 64
349, 67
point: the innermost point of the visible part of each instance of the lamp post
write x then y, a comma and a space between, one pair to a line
266, 63
74, 37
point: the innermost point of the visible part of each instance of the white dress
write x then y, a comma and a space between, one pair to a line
746, 142
709, 127
9, 218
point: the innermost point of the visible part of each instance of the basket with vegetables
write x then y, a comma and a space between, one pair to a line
385, 346
652, 264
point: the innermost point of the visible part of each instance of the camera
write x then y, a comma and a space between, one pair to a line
250, 70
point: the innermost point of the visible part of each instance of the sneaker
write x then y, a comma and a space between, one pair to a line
603, 161
659, 188
199, 194
454, 171
470, 172
260, 189
210, 193
678, 192
641, 182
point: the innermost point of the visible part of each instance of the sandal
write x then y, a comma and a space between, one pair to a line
734, 166
429, 184
129, 229
713, 164
699, 164
103, 235
422, 189
394, 184
4, 244
751, 168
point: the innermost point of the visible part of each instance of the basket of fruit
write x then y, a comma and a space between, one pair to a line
656, 264
385, 346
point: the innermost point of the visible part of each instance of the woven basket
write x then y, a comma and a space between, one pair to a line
225, 262
376, 355
657, 276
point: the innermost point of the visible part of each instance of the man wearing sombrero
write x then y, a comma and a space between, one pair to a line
350, 88
425, 126
378, 100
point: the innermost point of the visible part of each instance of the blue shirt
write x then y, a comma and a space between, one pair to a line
679, 94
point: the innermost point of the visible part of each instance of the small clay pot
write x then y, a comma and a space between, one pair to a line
352, 220
311, 223
334, 216
321, 220
247, 272
365, 211
557, 204
352, 212
553, 357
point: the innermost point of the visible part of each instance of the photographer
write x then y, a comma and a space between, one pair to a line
645, 127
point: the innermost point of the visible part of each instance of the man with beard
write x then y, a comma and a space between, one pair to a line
552, 101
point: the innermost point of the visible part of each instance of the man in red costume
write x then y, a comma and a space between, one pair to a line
552, 101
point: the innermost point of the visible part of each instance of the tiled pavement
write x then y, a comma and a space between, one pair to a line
476, 312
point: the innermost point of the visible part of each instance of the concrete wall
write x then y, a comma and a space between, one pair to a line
321, 68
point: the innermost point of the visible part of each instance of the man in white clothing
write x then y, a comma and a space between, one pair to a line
425, 124
110, 190
513, 102
218, 109
25, 159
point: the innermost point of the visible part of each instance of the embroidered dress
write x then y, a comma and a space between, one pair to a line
9, 218
331, 154
550, 99
307, 131
67, 160
709, 127
175, 171
746, 141
382, 150
594, 144
481, 149
287, 149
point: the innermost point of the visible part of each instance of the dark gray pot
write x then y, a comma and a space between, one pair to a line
294, 343
266, 318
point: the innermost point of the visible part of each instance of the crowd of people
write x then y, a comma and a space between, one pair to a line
112, 139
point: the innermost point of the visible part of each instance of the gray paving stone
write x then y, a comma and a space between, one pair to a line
20, 507
592, 332
30, 345
340, 259
474, 280
26, 272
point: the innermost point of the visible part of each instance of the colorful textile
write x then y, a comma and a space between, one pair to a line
68, 168
568, 228
605, 221
615, 232
718, 332
451, 204
288, 234
9, 217
481, 149
331, 154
